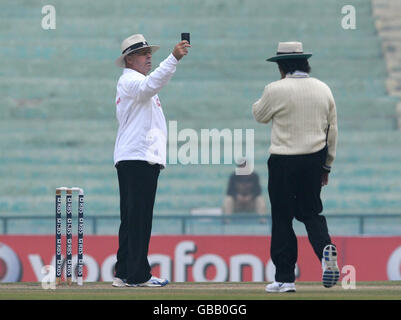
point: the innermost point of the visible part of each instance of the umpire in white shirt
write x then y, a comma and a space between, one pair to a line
140, 153
303, 147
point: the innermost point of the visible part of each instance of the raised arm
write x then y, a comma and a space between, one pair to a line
146, 88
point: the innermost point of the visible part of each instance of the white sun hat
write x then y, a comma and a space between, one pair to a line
289, 50
132, 44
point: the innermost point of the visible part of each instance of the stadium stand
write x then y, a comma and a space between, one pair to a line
388, 23
57, 90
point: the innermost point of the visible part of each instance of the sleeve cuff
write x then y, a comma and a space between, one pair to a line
172, 59
327, 168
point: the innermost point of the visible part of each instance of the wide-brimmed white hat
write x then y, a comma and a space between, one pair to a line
132, 44
289, 50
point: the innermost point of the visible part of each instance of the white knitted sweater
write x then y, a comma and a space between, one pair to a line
301, 110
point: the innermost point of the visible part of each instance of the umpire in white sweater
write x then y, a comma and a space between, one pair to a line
303, 147
139, 154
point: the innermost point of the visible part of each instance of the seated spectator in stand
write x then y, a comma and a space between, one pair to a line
244, 194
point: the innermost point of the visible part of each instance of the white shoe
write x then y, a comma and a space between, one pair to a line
331, 273
152, 282
117, 282
281, 287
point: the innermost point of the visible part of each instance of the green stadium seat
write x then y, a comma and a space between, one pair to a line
57, 90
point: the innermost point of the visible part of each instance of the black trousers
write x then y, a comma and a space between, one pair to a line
294, 189
138, 183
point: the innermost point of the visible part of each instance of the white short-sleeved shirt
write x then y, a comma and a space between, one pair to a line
142, 131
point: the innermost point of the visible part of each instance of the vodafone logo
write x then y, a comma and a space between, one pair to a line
182, 259
10, 265
184, 262
394, 265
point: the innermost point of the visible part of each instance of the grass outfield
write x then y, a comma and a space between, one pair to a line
385, 290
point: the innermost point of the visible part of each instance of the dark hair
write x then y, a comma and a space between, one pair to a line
292, 65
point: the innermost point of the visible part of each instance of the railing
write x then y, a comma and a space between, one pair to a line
186, 221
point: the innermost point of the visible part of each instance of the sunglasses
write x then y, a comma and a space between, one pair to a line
143, 52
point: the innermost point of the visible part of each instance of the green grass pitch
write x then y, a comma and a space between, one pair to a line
383, 290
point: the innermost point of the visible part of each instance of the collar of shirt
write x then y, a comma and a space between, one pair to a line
129, 70
297, 74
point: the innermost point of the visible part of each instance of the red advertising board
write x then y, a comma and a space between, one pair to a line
202, 258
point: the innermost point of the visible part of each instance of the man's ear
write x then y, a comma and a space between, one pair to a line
128, 59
